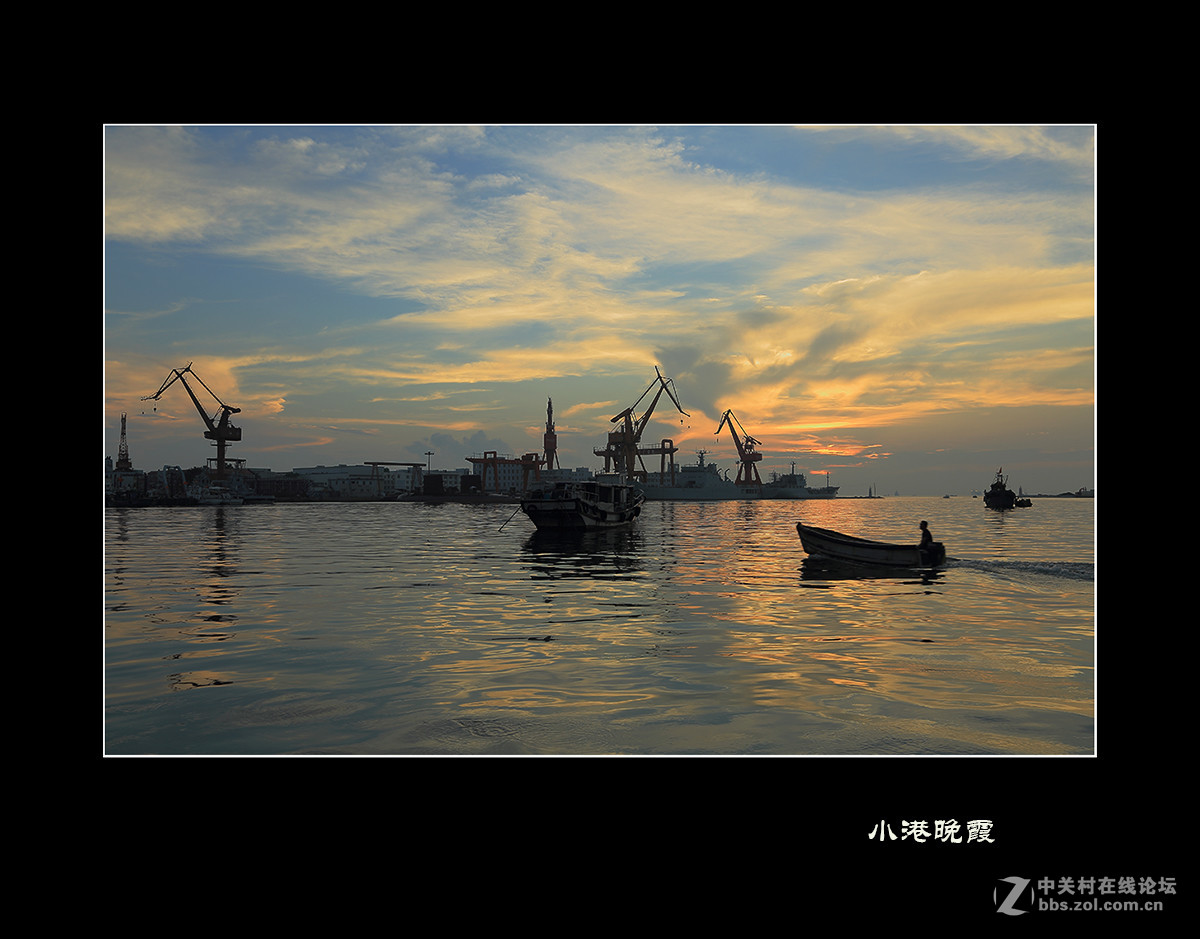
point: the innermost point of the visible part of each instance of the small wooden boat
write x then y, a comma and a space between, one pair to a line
825, 542
594, 503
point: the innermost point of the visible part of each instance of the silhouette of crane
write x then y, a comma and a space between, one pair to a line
747, 450
623, 448
219, 428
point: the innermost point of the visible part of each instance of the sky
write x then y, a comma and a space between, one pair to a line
905, 308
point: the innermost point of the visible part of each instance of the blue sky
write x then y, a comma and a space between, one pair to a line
904, 307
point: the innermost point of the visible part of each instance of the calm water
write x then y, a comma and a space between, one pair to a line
403, 629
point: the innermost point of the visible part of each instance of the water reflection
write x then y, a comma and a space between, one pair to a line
218, 566
397, 629
824, 569
600, 555
221, 564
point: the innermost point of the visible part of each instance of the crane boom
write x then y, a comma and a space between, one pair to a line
623, 445
747, 450
219, 427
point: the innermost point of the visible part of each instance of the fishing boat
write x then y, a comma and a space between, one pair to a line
595, 503
825, 542
999, 496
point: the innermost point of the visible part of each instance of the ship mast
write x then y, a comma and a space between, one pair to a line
550, 439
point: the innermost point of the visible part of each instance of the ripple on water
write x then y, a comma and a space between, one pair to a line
386, 628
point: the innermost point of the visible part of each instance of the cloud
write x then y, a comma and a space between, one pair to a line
795, 275
450, 452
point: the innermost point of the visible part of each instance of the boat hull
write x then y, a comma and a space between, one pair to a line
824, 542
1004, 499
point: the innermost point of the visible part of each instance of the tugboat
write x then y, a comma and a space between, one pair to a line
603, 502
999, 496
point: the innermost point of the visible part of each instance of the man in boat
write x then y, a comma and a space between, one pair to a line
926, 536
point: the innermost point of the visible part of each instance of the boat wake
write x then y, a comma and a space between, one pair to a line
1071, 570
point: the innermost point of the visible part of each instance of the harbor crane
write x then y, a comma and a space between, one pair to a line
219, 427
747, 450
623, 447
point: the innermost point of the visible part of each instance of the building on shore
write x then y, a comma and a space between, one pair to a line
125, 481
508, 475
367, 482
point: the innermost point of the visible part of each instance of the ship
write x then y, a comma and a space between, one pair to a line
998, 495
794, 485
699, 482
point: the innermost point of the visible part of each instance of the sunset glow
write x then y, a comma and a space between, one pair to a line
905, 307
